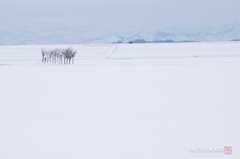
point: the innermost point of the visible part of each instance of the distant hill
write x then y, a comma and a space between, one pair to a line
51, 31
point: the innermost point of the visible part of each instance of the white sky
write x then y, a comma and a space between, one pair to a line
197, 12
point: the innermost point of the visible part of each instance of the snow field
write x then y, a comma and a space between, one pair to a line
130, 101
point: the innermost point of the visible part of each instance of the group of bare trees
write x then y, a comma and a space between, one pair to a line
58, 56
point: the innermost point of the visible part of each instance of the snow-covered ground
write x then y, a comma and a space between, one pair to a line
139, 101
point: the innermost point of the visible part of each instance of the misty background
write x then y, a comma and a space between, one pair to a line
106, 21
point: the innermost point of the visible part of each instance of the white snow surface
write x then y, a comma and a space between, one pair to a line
126, 101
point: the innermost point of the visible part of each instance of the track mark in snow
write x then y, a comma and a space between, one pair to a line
110, 52
173, 57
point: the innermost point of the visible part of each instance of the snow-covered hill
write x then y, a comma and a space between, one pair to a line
52, 31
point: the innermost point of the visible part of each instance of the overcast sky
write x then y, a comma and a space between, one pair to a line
194, 12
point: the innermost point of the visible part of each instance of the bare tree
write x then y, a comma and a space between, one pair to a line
59, 56
73, 55
69, 55
44, 55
